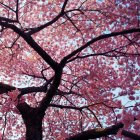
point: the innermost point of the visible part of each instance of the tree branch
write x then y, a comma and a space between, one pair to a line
4, 5
33, 44
104, 36
52, 90
4, 19
130, 135
97, 133
17, 8
5, 88
37, 29
103, 132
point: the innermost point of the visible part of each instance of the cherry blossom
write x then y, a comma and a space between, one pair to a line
69, 69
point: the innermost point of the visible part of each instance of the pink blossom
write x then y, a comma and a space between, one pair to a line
127, 119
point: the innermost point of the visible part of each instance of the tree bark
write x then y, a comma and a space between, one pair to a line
33, 128
103, 132
33, 121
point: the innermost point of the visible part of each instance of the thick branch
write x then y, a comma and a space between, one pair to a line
4, 19
5, 88
31, 90
97, 133
130, 135
52, 90
104, 36
33, 44
103, 132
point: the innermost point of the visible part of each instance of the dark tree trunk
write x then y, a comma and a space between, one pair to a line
33, 128
32, 118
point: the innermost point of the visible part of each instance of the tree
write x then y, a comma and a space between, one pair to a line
69, 69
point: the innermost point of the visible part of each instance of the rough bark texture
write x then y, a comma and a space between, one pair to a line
33, 121
103, 132
96, 133
33, 128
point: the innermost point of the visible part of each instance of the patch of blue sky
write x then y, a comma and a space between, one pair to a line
100, 1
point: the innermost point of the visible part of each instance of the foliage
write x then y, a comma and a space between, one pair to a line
74, 64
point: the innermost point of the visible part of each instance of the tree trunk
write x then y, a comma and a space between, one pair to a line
33, 128
32, 118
